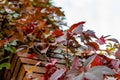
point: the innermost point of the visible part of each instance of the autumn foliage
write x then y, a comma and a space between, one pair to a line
33, 28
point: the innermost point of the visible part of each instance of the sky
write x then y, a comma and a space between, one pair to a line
102, 16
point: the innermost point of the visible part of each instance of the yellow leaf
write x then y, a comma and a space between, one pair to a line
30, 70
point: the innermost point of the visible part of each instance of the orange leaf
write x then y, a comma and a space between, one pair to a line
57, 33
2, 42
75, 26
30, 70
20, 36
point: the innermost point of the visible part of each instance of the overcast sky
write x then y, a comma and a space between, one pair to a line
102, 16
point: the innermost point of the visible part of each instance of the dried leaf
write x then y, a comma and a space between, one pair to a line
20, 36
30, 70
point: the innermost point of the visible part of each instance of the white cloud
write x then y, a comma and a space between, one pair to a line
102, 16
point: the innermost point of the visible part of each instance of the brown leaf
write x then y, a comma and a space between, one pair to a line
20, 36
94, 45
2, 42
75, 26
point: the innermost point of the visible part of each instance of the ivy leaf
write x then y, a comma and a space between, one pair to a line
76, 28
6, 65
57, 74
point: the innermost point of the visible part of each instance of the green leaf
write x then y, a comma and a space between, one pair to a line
6, 65
4, 58
13, 43
10, 49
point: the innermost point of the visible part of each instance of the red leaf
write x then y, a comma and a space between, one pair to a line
93, 45
101, 40
62, 38
57, 33
117, 53
90, 33
76, 28
115, 64
97, 61
31, 55
75, 63
114, 40
51, 64
50, 69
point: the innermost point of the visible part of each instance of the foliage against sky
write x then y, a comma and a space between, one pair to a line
33, 28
